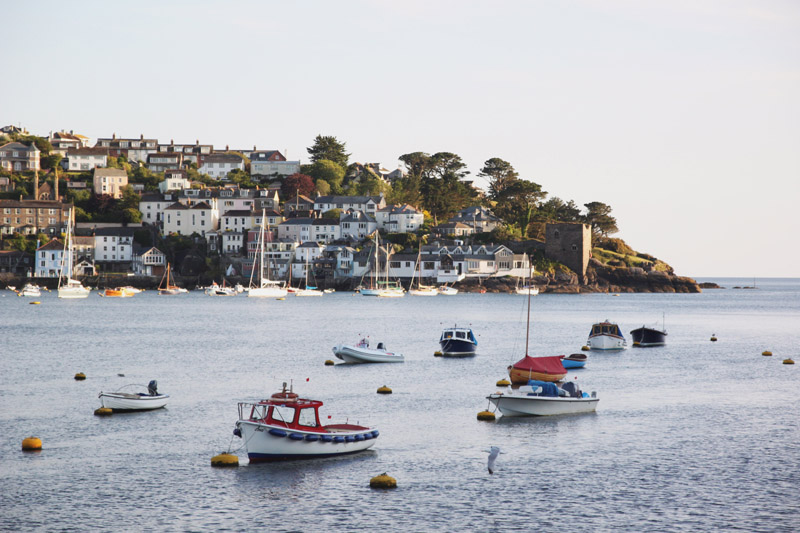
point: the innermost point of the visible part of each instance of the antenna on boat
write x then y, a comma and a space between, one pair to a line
528, 330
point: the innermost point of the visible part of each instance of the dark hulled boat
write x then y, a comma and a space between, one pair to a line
644, 337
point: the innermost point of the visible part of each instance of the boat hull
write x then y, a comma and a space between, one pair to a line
287, 444
423, 292
267, 292
308, 292
569, 364
606, 342
370, 292
355, 354
524, 290
448, 291
121, 401
541, 405
457, 348
520, 376
647, 337
73, 292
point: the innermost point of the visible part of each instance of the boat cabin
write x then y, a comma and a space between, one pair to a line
461, 334
289, 412
605, 328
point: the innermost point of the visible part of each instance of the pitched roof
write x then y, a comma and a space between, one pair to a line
347, 199
402, 209
239, 213
110, 172
114, 232
19, 147
222, 158
55, 244
87, 151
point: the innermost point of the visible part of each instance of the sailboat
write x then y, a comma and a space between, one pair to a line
266, 288
166, 288
540, 395
390, 289
308, 290
373, 290
526, 289
420, 289
68, 287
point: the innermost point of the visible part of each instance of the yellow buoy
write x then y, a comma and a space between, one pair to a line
766, 352
103, 411
328, 362
35, 303
383, 481
503, 383
486, 415
384, 390
437, 353
80, 376
225, 459
788, 362
585, 348
32, 444
713, 339
280, 298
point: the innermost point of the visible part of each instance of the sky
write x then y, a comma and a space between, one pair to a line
682, 115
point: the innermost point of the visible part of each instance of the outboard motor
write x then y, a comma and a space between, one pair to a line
380, 346
152, 388
572, 389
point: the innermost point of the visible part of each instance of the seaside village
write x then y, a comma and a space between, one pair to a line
320, 238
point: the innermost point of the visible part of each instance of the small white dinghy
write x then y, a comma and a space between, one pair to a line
540, 398
134, 401
362, 353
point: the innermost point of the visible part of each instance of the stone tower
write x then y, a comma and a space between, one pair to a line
570, 244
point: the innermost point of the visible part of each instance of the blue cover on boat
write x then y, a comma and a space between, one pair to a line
548, 389
325, 438
338, 439
350, 438
295, 436
312, 437
277, 432
375, 434
360, 437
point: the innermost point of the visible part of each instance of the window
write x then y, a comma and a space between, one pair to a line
574, 247
394, 264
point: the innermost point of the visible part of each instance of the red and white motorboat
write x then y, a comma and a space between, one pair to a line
288, 427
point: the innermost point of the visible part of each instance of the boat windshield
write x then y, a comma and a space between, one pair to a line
363, 343
281, 414
448, 335
308, 417
461, 335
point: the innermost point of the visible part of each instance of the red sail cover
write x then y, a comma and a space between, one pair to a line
545, 365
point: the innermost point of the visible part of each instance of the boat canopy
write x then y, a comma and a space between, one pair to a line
544, 365
606, 328
548, 389
463, 334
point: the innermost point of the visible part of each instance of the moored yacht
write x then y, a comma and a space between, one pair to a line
606, 336
458, 342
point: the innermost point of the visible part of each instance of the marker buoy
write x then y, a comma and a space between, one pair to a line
486, 415
384, 390
103, 411
585, 348
280, 298
437, 353
383, 481
32, 444
766, 352
503, 383
80, 376
34, 303
713, 339
225, 459
788, 362
328, 362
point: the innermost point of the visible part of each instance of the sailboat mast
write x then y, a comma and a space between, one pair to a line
528, 330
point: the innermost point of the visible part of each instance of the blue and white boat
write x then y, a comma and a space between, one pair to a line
575, 360
458, 342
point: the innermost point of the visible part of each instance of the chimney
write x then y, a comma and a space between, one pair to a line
197, 142
141, 136
227, 149
113, 135
36, 185
72, 132
55, 183
254, 147
171, 142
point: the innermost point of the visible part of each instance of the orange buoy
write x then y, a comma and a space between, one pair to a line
383, 481
384, 390
486, 415
32, 444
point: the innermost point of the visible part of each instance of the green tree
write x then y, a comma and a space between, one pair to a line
41, 143
241, 178
323, 188
599, 216
517, 202
327, 170
442, 187
328, 147
332, 213
499, 173
50, 161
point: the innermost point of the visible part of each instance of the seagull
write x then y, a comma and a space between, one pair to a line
494, 451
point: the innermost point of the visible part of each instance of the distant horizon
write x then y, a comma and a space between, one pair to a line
682, 116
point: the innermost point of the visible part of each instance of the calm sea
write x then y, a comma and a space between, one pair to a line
694, 436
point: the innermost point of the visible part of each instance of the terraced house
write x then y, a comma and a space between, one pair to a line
19, 157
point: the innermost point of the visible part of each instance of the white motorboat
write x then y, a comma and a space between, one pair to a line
540, 398
606, 336
286, 426
134, 401
220, 290
444, 290
362, 353
308, 291
30, 289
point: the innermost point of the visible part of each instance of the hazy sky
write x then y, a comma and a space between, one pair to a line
684, 116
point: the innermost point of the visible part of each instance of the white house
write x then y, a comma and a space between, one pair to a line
218, 165
109, 181
174, 180
152, 206
356, 225
149, 261
232, 242
163, 161
113, 247
477, 217
369, 205
271, 162
305, 254
48, 259
186, 220
399, 219
87, 158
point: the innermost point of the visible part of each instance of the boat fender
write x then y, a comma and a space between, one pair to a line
103, 411
277, 432
584, 395
295, 436
375, 434
325, 438
312, 438
350, 438
338, 439
237, 432
360, 437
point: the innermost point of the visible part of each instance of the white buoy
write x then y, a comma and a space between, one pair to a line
494, 451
